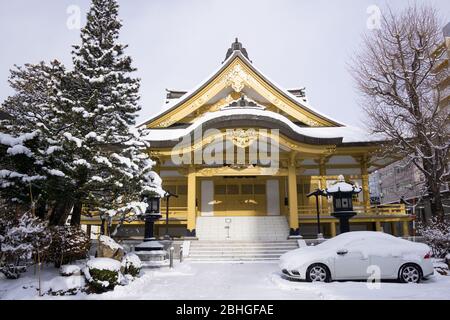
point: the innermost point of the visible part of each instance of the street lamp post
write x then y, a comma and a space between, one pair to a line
167, 196
317, 193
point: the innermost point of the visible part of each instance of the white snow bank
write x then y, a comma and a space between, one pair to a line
104, 264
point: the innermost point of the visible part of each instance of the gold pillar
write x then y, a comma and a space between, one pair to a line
405, 228
365, 183
323, 184
333, 229
292, 194
191, 201
378, 226
394, 228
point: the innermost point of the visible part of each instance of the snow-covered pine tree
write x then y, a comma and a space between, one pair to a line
108, 100
30, 140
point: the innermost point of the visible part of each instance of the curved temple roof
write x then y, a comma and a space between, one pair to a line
238, 52
255, 117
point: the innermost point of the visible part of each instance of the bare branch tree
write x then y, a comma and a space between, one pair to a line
398, 75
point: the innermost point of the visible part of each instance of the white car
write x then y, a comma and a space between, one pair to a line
358, 256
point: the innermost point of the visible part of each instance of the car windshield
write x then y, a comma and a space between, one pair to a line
350, 238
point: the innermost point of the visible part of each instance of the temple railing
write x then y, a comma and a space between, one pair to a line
176, 215
377, 210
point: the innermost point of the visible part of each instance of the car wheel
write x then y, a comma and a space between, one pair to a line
410, 273
318, 273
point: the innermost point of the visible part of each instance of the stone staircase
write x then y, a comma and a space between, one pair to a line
239, 251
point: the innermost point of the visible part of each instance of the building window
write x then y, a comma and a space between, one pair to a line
232, 189
247, 189
220, 189
260, 188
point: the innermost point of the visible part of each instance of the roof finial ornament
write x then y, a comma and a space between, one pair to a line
236, 46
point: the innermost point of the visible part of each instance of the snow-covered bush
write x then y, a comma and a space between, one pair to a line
69, 270
102, 274
22, 238
437, 235
68, 244
132, 265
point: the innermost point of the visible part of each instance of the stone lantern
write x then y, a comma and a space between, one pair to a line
151, 249
342, 193
152, 214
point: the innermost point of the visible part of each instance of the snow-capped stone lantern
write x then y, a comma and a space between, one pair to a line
151, 249
151, 195
342, 193
152, 213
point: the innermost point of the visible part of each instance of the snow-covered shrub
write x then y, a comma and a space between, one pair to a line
131, 264
68, 245
102, 274
22, 237
437, 235
69, 270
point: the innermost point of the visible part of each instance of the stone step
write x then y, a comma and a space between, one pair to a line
243, 247
242, 243
246, 243
239, 251
237, 259
232, 256
205, 250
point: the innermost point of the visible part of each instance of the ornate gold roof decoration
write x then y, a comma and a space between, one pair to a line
242, 138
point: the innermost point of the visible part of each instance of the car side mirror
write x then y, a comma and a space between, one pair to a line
342, 252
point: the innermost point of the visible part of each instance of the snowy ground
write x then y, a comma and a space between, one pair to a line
225, 281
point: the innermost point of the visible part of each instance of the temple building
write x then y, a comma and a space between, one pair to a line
242, 154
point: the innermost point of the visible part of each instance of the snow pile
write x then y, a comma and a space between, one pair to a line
70, 270
131, 265
342, 186
104, 264
153, 183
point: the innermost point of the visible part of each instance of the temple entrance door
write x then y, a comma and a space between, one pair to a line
240, 197
273, 197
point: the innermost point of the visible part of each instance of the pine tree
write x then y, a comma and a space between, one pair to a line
71, 139
31, 142
108, 98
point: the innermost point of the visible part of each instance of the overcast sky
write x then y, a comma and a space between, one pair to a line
176, 44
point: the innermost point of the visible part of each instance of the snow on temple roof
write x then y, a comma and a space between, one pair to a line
301, 102
349, 134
